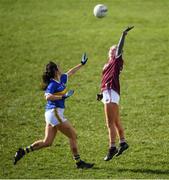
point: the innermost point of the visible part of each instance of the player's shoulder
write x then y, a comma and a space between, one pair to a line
64, 78
64, 75
52, 83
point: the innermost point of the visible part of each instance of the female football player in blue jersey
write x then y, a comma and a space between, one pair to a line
54, 85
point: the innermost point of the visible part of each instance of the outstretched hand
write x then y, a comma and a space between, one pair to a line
84, 59
68, 94
128, 29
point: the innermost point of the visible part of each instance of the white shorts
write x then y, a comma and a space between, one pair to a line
110, 96
55, 116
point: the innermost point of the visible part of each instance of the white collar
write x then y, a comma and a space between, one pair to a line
55, 80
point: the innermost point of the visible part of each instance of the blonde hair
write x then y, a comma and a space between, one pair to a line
112, 48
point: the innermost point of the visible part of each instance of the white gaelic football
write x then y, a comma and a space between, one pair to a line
100, 10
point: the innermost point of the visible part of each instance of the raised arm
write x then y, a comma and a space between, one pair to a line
77, 67
73, 70
121, 41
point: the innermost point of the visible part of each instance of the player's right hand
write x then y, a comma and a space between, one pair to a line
128, 29
99, 96
68, 94
84, 59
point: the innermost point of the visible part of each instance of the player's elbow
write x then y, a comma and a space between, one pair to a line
48, 97
70, 74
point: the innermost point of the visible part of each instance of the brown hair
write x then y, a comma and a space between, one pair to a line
49, 73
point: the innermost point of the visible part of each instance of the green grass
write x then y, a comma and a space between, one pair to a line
34, 32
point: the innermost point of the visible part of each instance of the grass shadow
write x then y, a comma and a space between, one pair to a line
147, 171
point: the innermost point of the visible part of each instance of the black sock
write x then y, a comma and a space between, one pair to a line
77, 158
28, 149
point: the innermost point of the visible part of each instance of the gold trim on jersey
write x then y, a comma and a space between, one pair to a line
61, 92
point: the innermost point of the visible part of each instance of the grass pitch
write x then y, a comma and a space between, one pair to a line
34, 32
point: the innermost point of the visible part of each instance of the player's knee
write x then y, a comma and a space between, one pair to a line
47, 143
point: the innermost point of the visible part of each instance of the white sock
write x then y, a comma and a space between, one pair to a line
113, 145
122, 140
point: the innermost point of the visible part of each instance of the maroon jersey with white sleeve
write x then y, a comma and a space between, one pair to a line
111, 72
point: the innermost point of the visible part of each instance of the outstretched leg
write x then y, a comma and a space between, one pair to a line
50, 133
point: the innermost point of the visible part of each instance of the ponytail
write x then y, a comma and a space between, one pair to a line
45, 80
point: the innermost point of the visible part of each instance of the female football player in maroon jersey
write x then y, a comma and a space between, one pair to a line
110, 96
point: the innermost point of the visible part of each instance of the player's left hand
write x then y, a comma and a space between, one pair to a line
84, 59
128, 29
68, 94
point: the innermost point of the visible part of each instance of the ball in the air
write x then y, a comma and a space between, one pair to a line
100, 10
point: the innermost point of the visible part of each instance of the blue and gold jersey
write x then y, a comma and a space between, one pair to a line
57, 88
